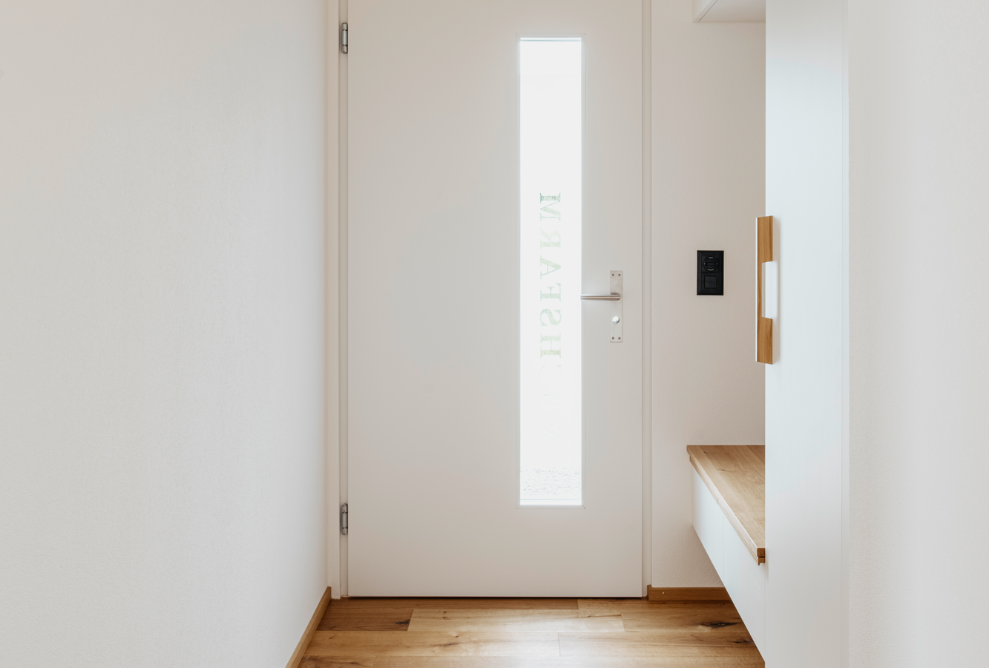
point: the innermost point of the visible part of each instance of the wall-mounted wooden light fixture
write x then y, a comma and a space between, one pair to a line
764, 326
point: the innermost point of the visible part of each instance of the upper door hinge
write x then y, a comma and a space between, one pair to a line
344, 520
343, 45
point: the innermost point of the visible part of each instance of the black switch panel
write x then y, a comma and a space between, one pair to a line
710, 272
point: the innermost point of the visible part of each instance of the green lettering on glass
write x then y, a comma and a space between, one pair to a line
552, 199
550, 294
553, 319
548, 267
551, 350
552, 239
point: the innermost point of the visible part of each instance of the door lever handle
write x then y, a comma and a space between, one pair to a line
615, 297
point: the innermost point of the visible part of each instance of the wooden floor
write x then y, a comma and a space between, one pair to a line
529, 633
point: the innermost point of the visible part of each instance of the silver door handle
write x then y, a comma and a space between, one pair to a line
615, 297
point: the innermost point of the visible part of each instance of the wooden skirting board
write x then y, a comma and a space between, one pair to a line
300, 649
696, 594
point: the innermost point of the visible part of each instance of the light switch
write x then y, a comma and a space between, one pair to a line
710, 272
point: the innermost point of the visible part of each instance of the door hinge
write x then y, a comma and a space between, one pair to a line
343, 519
343, 45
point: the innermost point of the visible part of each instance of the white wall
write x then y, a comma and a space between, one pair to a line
161, 331
805, 177
919, 236
708, 109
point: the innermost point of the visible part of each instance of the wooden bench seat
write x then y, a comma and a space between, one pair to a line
736, 478
730, 521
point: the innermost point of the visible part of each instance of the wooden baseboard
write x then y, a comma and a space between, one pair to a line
698, 594
303, 645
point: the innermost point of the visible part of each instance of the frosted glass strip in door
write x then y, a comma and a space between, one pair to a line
550, 122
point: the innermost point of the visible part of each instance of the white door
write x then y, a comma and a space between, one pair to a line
494, 435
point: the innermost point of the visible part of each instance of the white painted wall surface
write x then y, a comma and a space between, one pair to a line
708, 187
161, 331
919, 236
805, 192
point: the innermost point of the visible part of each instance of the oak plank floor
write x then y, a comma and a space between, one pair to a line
386, 643
511, 620
365, 619
336, 662
529, 633
593, 607
563, 662
675, 642
459, 603
717, 618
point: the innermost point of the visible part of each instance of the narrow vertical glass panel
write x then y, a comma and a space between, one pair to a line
551, 111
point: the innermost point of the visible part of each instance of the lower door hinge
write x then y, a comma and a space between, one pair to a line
344, 46
343, 519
